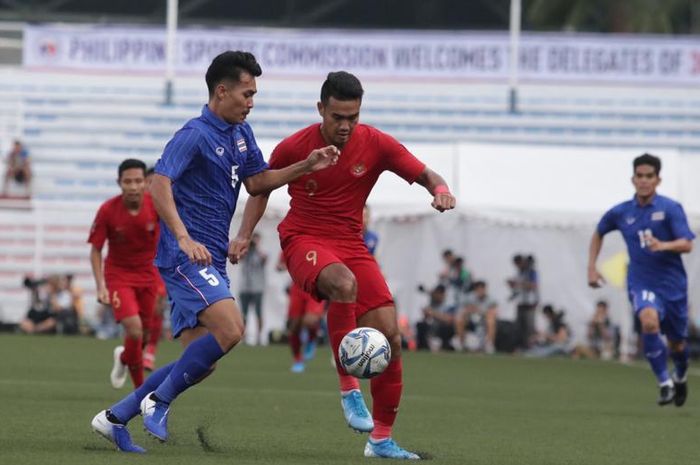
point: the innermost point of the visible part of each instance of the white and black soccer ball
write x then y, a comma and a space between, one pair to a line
364, 352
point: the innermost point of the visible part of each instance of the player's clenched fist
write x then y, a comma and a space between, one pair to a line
443, 199
322, 158
237, 249
195, 251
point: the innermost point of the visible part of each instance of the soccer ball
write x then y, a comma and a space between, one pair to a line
364, 352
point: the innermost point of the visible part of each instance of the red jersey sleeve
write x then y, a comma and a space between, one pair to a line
98, 231
281, 155
398, 159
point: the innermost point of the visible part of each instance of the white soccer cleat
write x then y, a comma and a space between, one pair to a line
119, 370
117, 434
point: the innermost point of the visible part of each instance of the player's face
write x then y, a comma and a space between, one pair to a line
236, 98
645, 181
133, 184
339, 118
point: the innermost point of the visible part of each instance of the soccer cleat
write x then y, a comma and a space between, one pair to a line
681, 389
115, 433
356, 413
155, 417
149, 361
309, 350
119, 370
666, 394
388, 449
298, 367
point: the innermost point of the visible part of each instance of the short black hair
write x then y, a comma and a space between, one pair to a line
602, 303
229, 65
648, 159
479, 284
130, 163
341, 85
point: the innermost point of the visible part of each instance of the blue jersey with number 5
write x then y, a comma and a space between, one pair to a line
206, 160
664, 219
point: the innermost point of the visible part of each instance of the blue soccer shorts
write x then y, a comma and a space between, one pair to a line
673, 314
192, 288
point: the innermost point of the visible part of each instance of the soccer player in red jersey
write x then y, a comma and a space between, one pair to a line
303, 316
151, 347
321, 239
128, 281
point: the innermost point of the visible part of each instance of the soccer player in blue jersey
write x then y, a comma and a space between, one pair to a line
195, 190
656, 232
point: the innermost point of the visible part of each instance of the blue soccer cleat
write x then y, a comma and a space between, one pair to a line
115, 433
388, 449
356, 413
155, 417
298, 367
309, 350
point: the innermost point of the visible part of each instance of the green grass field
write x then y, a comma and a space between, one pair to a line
460, 409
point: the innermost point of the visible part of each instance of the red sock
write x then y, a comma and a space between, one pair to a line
132, 357
156, 330
295, 345
386, 396
312, 332
341, 319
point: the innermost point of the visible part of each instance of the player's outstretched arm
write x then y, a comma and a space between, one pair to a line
436, 185
254, 210
97, 273
162, 194
595, 279
681, 245
269, 180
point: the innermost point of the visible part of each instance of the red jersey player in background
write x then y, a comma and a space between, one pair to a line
129, 223
321, 238
303, 320
149, 351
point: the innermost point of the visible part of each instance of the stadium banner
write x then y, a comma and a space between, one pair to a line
383, 54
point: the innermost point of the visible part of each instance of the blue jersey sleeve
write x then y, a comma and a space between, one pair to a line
178, 153
679, 223
608, 222
254, 162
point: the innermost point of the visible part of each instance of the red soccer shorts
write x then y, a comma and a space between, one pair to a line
131, 301
301, 303
306, 256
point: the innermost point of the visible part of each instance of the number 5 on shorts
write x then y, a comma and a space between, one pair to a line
211, 279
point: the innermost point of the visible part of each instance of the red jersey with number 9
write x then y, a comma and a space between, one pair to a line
132, 241
329, 202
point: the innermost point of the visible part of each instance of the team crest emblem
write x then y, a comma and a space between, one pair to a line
358, 170
240, 143
658, 216
219, 151
629, 220
311, 186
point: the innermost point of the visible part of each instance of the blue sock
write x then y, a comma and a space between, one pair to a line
680, 360
193, 364
129, 406
656, 352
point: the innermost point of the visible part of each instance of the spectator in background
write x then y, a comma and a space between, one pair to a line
52, 308
601, 335
370, 237
478, 315
524, 288
555, 341
253, 283
436, 330
18, 168
448, 257
39, 319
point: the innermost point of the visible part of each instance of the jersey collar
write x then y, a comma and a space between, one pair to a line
650, 204
214, 120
